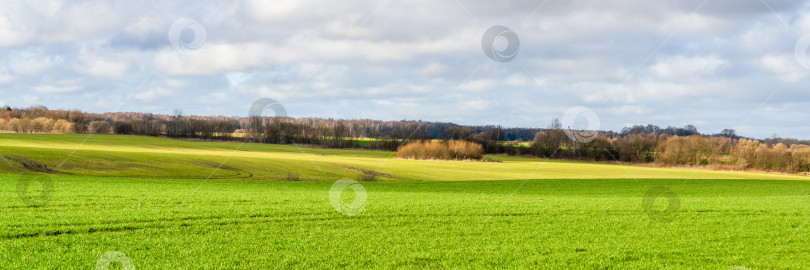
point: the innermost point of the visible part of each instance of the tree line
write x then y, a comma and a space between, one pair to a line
679, 147
337, 133
670, 146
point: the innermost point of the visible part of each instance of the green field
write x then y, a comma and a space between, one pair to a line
165, 204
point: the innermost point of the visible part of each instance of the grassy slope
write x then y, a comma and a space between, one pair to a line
138, 156
559, 222
554, 224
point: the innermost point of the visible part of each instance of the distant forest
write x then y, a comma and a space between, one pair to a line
40, 119
671, 146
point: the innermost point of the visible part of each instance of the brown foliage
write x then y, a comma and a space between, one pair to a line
751, 154
548, 143
637, 147
62, 126
450, 150
694, 150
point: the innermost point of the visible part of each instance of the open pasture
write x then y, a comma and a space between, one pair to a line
158, 203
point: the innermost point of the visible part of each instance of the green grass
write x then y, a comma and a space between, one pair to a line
181, 224
162, 204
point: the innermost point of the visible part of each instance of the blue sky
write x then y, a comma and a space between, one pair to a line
714, 64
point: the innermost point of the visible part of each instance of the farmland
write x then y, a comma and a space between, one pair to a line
141, 156
169, 204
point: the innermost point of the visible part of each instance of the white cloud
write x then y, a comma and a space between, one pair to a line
78, 20
153, 94
785, 66
517, 80
433, 68
664, 62
21, 20
479, 85
5, 77
276, 11
54, 89
682, 67
103, 68
692, 24
35, 63
30, 100
627, 110
176, 84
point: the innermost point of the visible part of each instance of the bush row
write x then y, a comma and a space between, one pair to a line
445, 150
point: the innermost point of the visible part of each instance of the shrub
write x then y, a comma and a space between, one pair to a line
62, 126
367, 177
99, 127
450, 150
20, 125
465, 150
42, 124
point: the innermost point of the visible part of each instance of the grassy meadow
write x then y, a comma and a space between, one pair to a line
167, 204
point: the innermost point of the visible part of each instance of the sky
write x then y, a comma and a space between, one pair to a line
602, 64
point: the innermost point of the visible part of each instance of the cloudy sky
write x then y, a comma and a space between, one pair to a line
714, 64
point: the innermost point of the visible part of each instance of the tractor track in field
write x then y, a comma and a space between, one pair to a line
214, 221
30, 164
164, 223
369, 172
229, 168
